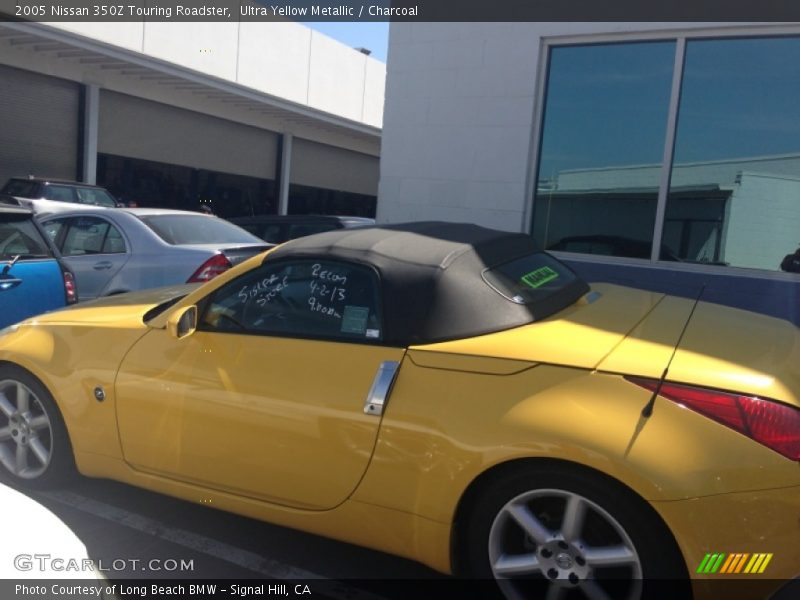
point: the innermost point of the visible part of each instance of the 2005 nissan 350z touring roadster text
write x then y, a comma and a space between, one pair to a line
443, 392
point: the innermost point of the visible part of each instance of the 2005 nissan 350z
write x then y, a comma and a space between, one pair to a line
443, 392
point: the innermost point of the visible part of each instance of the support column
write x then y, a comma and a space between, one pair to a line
91, 111
285, 175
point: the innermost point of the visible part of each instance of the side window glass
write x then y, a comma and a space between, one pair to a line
86, 235
114, 244
325, 299
54, 231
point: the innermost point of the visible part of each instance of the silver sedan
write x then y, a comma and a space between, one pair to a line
115, 250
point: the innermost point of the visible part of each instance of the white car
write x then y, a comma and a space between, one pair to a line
46, 196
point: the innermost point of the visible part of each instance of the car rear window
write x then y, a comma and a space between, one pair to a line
197, 229
534, 279
20, 237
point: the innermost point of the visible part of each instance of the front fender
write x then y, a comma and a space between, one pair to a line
72, 360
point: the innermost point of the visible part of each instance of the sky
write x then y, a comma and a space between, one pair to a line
372, 35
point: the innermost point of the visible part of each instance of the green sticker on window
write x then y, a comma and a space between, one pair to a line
539, 277
354, 319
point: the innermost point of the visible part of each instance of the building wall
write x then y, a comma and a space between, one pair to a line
285, 59
48, 63
763, 221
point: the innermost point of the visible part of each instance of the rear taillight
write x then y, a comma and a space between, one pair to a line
70, 291
768, 422
211, 268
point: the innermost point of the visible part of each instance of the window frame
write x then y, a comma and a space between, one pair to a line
205, 304
680, 38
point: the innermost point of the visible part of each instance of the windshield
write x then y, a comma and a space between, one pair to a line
197, 229
19, 237
20, 187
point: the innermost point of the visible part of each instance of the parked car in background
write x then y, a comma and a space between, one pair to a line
53, 195
277, 229
32, 279
124, 249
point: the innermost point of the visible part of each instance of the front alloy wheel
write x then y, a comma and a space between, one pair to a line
26, 436
34, 449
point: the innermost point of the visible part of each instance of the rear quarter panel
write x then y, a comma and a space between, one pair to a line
444, 427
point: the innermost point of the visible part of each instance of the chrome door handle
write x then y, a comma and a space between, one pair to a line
7, 284
101, 266
381, 386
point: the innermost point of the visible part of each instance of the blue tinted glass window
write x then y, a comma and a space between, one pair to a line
602, 147
735, 184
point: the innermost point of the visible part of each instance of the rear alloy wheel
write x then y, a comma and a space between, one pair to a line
34, 449
577, 536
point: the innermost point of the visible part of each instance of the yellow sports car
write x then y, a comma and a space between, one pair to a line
443, 392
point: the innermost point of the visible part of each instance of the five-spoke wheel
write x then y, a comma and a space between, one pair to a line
34, 448
26, 435
561, 532
564, 538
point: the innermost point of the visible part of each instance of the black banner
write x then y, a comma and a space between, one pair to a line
400, 10
729, 588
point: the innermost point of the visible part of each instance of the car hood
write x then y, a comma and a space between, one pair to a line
122, 310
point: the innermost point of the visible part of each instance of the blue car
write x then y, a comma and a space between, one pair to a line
32, 278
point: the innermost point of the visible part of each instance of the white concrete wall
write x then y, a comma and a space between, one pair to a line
458, 126
284, 59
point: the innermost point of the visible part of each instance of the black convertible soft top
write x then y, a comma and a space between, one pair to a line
433, 277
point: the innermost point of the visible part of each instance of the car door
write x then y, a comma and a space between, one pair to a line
31, 280
92, 247
268, 398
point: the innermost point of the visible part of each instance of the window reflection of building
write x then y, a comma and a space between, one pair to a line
729, 193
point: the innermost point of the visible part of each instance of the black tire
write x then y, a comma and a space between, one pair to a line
544, 490
27, 431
